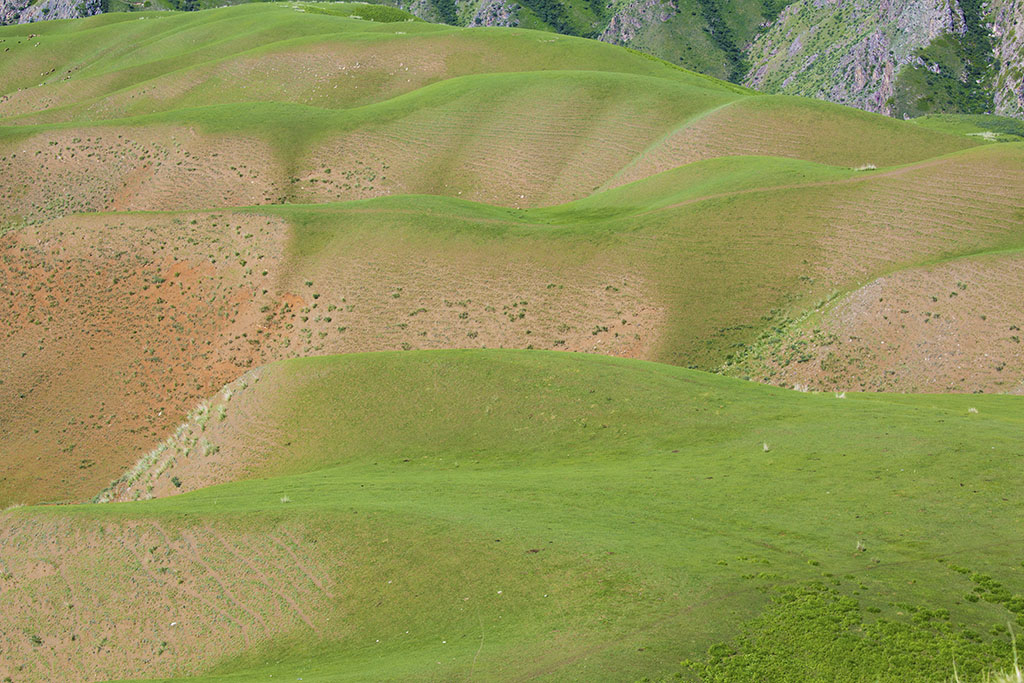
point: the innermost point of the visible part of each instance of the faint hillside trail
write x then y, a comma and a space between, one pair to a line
655, 145
264, 579
299, 564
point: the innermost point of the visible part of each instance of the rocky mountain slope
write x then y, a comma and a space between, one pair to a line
898, 57
705, 35
26, 11
848, 52
1008, 32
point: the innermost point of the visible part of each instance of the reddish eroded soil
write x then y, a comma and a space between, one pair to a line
224, 439
115, 326
112, 328
70, 589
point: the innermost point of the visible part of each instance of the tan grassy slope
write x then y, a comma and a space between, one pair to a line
514, 140
949, 323
950, 327
116, 325
118, 65
205, 590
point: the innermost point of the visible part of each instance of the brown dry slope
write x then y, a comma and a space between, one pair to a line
924, 285
112, 327
116, 325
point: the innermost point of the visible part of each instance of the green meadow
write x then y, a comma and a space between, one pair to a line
508, 514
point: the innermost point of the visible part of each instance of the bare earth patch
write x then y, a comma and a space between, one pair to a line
954, 327
70, 606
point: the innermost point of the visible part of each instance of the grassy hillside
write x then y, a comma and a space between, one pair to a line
692, 266
447, 514
164, 61
991, 128
903, 59
414, 186
200, 211
709, 36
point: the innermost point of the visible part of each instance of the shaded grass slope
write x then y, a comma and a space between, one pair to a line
499, 513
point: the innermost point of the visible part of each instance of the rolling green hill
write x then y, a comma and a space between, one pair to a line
528, 514
709, 36
700, 266
208, 219
903, 58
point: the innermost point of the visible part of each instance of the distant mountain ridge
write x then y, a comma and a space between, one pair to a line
27, 11
903, 58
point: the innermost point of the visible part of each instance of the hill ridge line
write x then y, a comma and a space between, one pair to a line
416, 92
352, 205
654, 145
